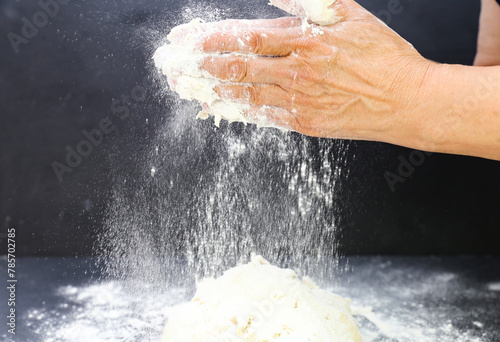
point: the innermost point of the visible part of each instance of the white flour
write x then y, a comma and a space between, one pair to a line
110, 312
180, 61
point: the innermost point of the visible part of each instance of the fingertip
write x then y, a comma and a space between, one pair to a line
225, 92
270, 116
211, 42
181, 34
221, 92
207, 65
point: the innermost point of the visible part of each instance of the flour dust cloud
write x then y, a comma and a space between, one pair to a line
210, 197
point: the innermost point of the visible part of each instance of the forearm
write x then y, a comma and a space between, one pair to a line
459, 111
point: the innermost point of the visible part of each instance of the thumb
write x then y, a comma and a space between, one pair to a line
294, 7
321, 12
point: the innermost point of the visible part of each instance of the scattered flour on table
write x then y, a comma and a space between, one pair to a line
110, 312
102, 312
494, 286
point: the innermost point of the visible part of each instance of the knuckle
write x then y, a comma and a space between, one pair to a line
306, 80
309, 43
237, 70
253, 94
219, 41
255, 42
306, 75
300, 68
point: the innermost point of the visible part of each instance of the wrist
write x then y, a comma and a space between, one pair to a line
417, 102
432, 106
434, 111
456, 110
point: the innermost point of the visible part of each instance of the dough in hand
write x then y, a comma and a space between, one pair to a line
180, 61
258, 302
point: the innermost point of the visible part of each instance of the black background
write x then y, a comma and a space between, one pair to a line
66, 77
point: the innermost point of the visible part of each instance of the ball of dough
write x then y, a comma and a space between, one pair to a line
259, 302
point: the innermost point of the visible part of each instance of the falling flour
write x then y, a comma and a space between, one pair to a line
259, 302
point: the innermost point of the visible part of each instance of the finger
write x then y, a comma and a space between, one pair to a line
272, 117
265, 116
179, 33
276, 42
322, 12
233, 24
241, 69
255, 94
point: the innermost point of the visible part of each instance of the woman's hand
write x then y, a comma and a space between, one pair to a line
353, 79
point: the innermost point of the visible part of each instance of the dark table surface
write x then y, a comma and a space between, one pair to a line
395, 298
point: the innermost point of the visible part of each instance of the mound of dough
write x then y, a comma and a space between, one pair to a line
259, 302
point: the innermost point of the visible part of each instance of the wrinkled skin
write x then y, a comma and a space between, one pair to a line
289, 6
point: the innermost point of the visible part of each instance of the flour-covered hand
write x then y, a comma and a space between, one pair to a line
355, 79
